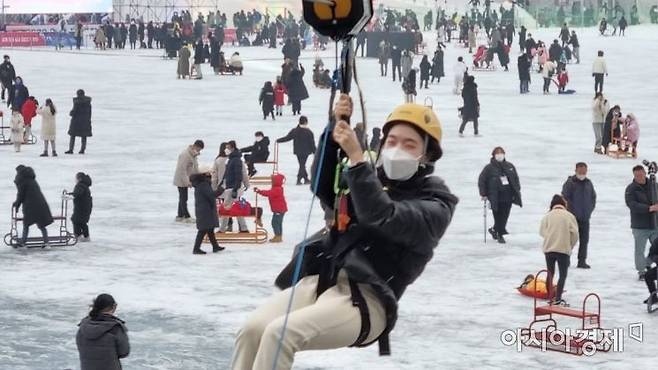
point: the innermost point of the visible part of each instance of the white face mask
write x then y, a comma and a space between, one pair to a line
500, 157
258, 139
227, 151
581, 177
398, 164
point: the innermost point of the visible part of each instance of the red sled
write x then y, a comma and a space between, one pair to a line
240, 208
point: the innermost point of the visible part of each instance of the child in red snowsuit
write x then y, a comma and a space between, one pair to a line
278, 205
562, 80
279, 97
29, 111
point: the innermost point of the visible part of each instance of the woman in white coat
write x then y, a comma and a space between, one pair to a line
48, 127
600, 108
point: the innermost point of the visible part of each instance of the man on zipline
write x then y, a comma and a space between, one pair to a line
353, 276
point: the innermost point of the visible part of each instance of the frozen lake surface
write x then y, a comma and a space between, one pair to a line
183, 310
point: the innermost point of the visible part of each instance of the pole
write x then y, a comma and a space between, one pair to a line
485, 220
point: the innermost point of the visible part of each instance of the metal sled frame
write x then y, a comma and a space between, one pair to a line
64, 239
560, 342
258, 236
6, 140
267, 180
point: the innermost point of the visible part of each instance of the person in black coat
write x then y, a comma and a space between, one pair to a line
437, 65
18, 94
132, 34
266, 99
303, 143
530, 44
260, 151
205, 211
199, 59
297, 89
425, 68
234, 180
579, 192
35, 207
80, 121
522, 37
291, 50
555, 51
524, 64
102, 338
405, 219
215, 49
7, 75
396, 61
499, 185
82, 206
471, 109
606, 137
643, 209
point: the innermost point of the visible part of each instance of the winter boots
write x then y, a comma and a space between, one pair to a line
583, 265
496, 236
276, 239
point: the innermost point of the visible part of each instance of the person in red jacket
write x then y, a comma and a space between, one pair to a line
29, 111
562, 80
278, 205
279, 96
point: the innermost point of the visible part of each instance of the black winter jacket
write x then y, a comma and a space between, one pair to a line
394, 229
205, 202
82, 201
581, 197
35, 207
266, 99
524, 65
260, 151
303, 141
17, 95
7, 73
102, 342
638, 200
296, 88
490, 183
471, 108
81, 117
233, 174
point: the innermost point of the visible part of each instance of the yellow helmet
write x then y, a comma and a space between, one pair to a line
420, 116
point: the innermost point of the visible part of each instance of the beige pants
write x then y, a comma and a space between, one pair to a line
329, 322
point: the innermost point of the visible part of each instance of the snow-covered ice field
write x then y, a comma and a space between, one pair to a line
183, 310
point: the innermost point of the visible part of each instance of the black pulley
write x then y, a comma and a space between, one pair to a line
338, 19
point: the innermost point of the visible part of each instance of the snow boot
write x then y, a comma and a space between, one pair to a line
493, 233
583, 265
44, 154
501, 240
54, 154
276, 239
217, 249
198, 251
68, 152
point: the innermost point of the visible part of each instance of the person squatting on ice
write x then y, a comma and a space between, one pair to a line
401, 211
102, 338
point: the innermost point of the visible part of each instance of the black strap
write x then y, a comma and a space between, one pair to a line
384, 345
359, 301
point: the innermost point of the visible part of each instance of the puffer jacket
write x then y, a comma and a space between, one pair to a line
600, 108
82, 201
491, 185
394, 229
559, 230
30, 197
102, 342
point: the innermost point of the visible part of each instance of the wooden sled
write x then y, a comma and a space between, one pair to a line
258, 236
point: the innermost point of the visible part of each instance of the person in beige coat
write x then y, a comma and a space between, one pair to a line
48, 127
17, 128
100, 39
559, 229
600, 108
187, 165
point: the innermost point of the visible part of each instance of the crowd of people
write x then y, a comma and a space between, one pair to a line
220, 186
